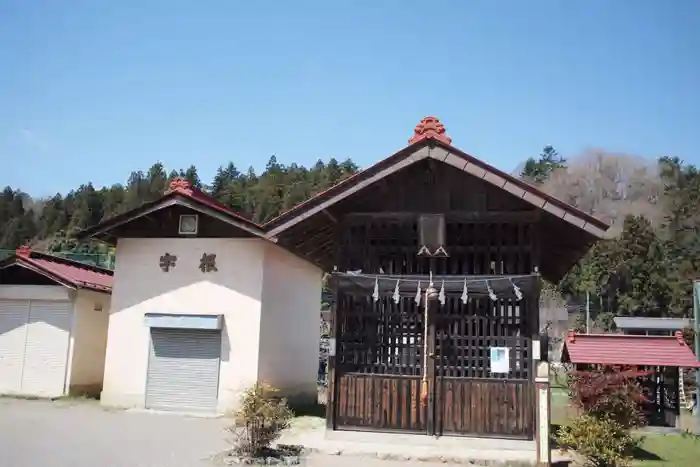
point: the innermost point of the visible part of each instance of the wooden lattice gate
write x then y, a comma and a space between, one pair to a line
378, 367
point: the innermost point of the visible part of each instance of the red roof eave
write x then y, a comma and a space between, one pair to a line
623, 349
208, 201
45, 265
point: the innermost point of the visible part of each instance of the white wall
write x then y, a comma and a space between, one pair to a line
140, 287
35, 292
289, 332
88, 342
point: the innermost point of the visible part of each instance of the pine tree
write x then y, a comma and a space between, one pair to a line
539, 170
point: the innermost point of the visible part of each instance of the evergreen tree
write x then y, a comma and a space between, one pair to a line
539, 170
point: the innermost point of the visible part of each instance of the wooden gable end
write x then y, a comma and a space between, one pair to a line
164, 223
478, 215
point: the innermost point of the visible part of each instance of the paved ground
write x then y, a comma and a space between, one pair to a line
82, 434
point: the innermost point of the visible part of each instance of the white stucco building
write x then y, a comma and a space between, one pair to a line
54, 315
203, 306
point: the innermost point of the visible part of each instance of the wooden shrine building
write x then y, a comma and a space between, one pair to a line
437, 259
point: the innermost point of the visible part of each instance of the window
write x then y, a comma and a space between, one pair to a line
188, 224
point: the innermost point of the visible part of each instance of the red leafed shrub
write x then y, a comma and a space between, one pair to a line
610, 393
610, 399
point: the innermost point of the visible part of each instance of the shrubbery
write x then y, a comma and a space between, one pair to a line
609, 400
262, 417
602, 441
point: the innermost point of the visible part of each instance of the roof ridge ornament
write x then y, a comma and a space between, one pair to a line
430, 127
179, 184
679, 337
24, 251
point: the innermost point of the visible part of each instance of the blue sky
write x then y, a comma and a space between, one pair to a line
90, 90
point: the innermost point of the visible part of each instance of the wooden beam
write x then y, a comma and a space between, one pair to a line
311, 238
476, 216
410, 159
320, 246
330, 216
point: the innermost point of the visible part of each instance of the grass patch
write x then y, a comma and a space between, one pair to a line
660, 450
657, 449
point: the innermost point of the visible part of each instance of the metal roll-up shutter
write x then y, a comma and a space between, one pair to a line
46, 349
183, 370
14, 315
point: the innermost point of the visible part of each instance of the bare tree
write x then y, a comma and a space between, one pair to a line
610, 186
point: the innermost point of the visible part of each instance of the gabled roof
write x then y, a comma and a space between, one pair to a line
430, 141
64, 271
622, 349
638, 322
179, 192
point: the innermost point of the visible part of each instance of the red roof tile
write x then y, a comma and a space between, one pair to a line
622, 349
72, 272
183, 187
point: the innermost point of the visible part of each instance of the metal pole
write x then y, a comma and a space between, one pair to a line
696, 328
588, 313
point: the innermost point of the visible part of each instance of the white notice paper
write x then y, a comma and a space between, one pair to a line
500, 361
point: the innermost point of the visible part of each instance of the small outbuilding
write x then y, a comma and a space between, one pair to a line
53, 325
663, 356
204, 306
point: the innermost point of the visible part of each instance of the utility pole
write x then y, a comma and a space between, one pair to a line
588, 313
696, 338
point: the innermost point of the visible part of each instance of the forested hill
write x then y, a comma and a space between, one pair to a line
50, 223
645, 268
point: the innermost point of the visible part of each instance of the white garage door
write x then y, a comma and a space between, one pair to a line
34, 336
183, 370
14, 315
46, 354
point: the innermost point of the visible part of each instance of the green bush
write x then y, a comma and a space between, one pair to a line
610, 400
602, 441
262, 416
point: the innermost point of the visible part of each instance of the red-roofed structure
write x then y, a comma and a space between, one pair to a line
65, 271
662, 356
54, 319
622, 349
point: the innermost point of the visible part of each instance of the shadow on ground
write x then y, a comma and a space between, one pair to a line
310, 410
642, 454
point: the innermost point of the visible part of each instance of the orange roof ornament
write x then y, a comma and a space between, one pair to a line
179, 184
430, 127
24, 251
679, 337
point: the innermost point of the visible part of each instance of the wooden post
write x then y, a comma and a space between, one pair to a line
430, 370
696, 328
330, 390
544, 450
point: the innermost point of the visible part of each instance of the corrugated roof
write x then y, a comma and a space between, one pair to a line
671, 324
622, 349
74, 273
